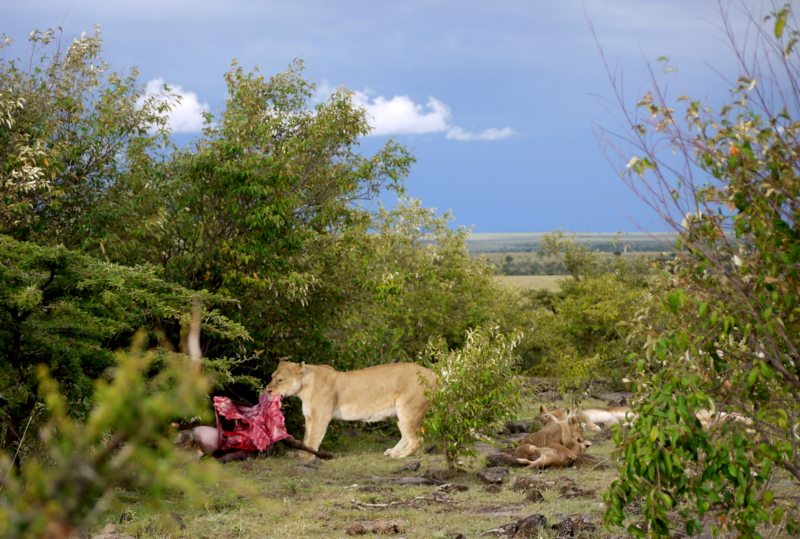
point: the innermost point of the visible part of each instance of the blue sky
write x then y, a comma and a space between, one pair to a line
496, 99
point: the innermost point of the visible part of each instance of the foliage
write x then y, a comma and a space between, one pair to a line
263, 207
68, 128
730, 342
419, 283
123, 443
67, 310
584, 331
477, 390
579, 260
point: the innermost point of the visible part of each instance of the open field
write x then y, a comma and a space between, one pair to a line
536, 282
502, 242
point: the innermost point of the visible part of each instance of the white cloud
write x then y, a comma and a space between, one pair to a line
458, 133
400, 115
186, 116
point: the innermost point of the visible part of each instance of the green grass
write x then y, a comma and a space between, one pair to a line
285, 500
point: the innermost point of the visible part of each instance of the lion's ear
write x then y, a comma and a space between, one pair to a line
573, 420
542, 409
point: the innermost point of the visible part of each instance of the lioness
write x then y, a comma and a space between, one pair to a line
589, 417
544, 457
371, 394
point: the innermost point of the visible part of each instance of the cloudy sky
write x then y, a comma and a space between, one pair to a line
497, 99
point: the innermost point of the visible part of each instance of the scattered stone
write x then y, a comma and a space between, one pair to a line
112, 536
125, 516
534, 496
573, 525
452, 487
385, 527
501, 459
411, 466
590, 461
438, 475
570, 491
566, 528
517, 427
456, 535
307, 467
432, 450
530, 526
492, 489
525, 483
515, 439
355, 528
493, 475
483, 447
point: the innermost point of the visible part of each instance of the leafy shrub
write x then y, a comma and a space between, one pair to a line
477, 389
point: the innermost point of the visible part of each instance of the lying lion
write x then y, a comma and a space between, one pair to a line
557, 445
589, 417
371, 394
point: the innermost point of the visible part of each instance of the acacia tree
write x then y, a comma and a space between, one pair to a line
730, 342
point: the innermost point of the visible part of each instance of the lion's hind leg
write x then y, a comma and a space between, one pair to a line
409, 423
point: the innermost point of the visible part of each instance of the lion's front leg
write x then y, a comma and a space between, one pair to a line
316, 426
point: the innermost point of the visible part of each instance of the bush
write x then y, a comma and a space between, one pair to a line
477, 390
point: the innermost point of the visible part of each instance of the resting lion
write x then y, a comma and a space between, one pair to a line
371, 394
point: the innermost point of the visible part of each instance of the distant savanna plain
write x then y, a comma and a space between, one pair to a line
517, 261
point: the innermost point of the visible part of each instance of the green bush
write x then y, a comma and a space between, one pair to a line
477, 390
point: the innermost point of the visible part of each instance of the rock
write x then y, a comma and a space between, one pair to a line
566, 528
355, 528
452, 487
307, 467
534, 496
483, 447
493, 475
438, 475
530, 526
516, 427
501, 459
112, 536
411, 466
589, 461
384, 527
432, 450
525, 483
492, 489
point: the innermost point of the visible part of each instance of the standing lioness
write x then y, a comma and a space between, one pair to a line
370, 394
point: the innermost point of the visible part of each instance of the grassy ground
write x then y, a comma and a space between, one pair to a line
295, 498
537, 282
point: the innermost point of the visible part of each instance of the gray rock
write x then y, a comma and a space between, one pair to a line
493, 475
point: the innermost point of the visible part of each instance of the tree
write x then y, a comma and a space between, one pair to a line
264, 207
68, 311
730, 341
69, 128
419, 283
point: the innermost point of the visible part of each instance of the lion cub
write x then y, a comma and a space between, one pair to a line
557, 445
371, 394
